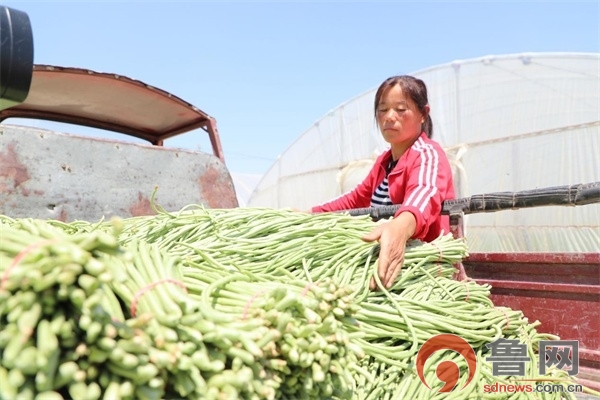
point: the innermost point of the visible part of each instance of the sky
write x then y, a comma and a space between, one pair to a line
267, 71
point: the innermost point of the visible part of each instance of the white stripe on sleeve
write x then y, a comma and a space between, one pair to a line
428, 170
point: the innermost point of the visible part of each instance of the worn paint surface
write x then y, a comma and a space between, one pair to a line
214, 188
13, 173
45, 174
561, 290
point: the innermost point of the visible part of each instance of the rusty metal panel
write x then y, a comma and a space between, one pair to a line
46, 174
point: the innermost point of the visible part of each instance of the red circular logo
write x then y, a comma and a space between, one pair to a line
447, 371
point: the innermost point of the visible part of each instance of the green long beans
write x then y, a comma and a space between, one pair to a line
243, 303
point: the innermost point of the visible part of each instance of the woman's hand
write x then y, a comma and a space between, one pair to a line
392, 237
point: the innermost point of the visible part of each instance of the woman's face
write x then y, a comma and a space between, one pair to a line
398, 117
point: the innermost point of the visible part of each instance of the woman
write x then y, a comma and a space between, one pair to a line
414, 172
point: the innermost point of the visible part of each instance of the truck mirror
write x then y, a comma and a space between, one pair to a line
16, 57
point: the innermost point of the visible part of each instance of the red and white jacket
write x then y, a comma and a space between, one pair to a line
420, 182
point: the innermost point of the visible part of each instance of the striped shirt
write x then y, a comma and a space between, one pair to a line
381, 196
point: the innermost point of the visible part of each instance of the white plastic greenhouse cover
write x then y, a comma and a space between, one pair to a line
508, 123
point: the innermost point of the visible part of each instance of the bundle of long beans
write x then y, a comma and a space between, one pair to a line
56, 334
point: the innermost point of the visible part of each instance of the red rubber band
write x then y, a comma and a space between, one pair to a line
19, 257
307, 288
150, 286
467, 288
249, 302
439, 251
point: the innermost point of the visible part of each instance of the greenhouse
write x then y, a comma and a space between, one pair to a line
507, 123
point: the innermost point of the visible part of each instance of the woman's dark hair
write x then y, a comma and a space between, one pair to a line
413, 87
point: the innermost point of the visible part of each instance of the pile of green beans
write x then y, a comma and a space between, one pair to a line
283, 245
248, 303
